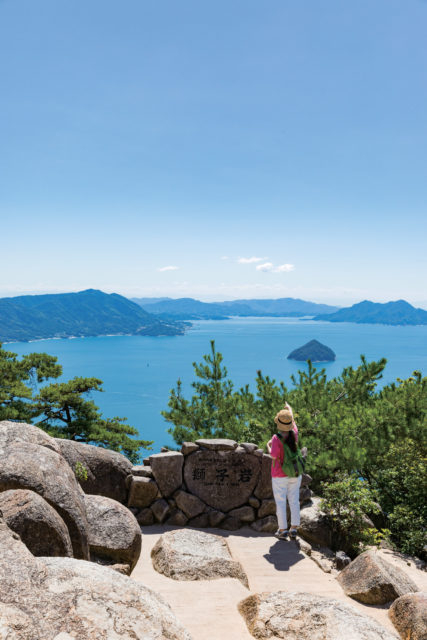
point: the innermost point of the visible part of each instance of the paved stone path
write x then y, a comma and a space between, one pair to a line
208, 609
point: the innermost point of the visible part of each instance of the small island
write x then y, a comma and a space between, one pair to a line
314, 351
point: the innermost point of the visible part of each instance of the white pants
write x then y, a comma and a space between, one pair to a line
289, 487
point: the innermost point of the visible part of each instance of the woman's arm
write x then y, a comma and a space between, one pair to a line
269, 445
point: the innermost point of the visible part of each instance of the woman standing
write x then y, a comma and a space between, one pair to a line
285, 486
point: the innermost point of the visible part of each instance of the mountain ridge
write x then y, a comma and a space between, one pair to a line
192, 309
81, 314
395, 313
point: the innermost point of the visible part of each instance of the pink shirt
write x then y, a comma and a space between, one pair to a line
277, 452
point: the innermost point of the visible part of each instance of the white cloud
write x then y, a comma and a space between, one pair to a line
224, 258
170, 268
283, 268
269, 266
266, 266
250, 260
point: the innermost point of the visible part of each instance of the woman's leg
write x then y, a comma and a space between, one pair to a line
293, 498
280, 486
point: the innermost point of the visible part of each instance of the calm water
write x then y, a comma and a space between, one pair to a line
138, 372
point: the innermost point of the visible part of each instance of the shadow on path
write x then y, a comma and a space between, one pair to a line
283, 554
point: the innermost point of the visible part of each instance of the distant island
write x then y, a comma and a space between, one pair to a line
314, 351
395, 313
82, 314
191, 309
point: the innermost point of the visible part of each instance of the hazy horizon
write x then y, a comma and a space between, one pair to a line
422, 305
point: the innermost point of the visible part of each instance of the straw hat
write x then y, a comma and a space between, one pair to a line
284, 420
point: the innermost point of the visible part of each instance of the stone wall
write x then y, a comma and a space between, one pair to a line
210, 483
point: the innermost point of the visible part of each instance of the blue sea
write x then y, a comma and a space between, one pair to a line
138, 372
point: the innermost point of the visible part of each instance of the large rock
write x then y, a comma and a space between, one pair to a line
372, 580
224, 480
264, 489
189, 504
106, 470
23, 432
315, 527
38, 525
143, 491
409, 615
24, 465
303, 616
195, 555
63, 599
167, 471
114, 533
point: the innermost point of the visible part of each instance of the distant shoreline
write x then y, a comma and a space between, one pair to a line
301, 319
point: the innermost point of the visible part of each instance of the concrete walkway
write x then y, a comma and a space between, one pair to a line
208, 608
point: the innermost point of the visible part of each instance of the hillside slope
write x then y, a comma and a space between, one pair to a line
86, 313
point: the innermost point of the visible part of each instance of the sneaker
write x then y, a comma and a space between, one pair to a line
293, 534
281, 534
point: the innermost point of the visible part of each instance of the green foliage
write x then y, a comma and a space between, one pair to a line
351, 430
80, 471
215, 411
346, 501
401, 482
17, 380
62, 409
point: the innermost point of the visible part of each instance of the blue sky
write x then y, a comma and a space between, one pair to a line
139, 135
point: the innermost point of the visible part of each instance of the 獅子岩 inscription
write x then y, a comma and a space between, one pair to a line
223, 479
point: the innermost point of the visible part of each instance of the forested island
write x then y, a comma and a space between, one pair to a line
395, 313
314, 351
82, 314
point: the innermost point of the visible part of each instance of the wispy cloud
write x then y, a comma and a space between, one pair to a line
169, 268
269, 266
225, 258
251, 260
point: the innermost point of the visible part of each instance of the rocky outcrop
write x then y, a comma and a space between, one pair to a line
315, 527
23, 432
167, 471
114, 532
372, 580
107, 470
409, 615
195, 555
38, 525
24, 465
63, 598
303, 616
